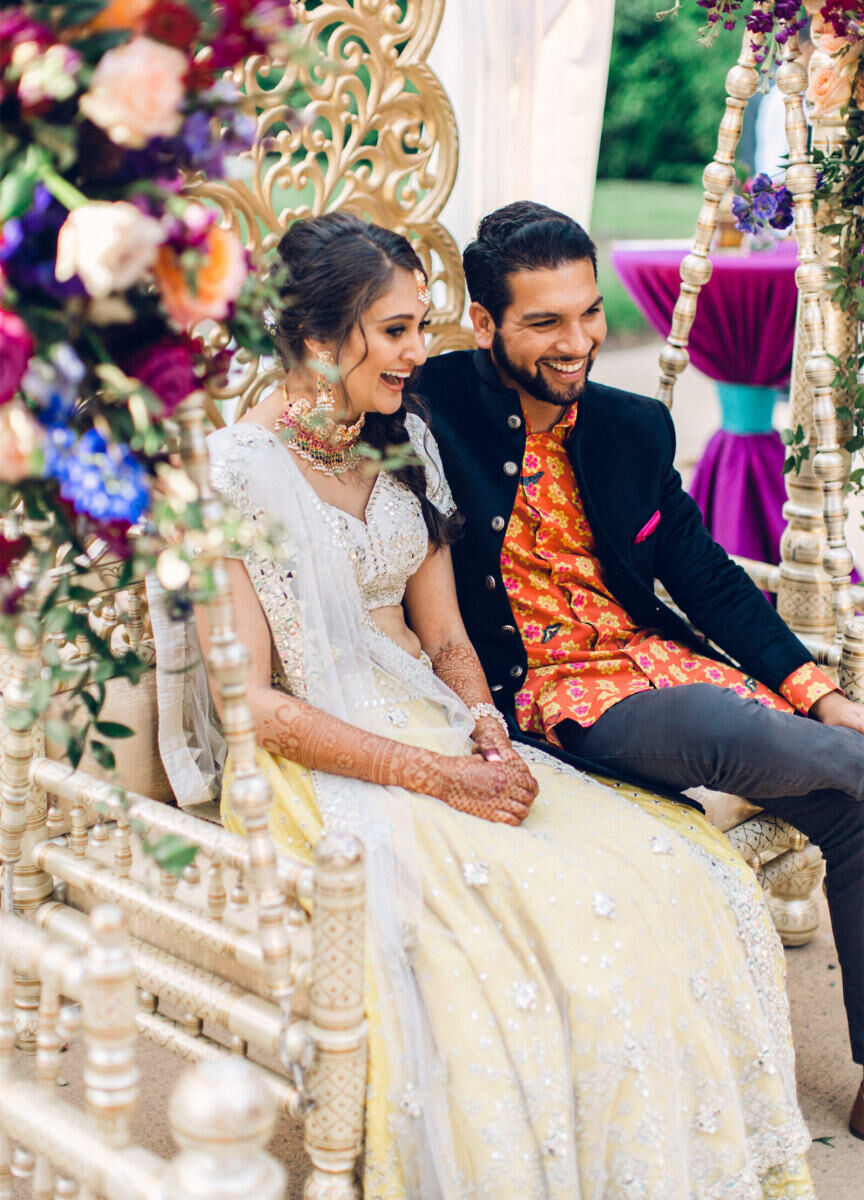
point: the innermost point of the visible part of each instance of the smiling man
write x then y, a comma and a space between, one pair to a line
572, 509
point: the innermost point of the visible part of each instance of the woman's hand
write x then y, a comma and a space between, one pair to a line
501, 792
491, 741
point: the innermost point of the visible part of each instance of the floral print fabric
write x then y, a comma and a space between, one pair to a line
584, 651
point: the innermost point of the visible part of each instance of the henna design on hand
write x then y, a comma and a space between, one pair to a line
294, 729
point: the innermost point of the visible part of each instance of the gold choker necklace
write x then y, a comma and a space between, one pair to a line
312, 434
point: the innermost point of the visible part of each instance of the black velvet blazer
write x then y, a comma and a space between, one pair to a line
645, 525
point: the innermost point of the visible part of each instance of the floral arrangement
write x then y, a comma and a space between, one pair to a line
106, 108
764, 207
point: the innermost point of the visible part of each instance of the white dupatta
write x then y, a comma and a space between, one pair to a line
332, 655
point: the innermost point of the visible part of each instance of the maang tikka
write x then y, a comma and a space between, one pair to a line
311, 431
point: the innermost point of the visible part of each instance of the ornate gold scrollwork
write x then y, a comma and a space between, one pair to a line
378, 138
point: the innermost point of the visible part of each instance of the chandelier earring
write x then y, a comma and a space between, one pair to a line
324, 397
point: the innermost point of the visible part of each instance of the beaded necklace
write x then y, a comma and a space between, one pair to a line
328, 446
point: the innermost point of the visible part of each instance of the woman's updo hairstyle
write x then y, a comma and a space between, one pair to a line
337, 265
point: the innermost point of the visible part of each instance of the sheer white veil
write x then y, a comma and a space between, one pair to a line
333, 655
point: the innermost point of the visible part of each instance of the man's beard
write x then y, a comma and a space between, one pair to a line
534, 383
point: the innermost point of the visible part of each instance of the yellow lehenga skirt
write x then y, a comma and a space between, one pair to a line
634, 916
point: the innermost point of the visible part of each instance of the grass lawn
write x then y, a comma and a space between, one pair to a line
636, 208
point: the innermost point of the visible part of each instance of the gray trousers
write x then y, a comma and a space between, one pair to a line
809, 774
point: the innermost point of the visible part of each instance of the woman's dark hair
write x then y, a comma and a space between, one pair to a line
337, 265
520, 237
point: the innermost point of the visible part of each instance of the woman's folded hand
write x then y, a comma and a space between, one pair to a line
496, 791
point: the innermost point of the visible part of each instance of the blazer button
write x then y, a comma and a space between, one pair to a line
497, 524
515, 672
508, 628
490, 583
514, 422
511, 468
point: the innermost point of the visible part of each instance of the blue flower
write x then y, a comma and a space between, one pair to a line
55, 385
105, 482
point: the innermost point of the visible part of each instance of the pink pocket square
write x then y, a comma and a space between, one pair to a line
647, 529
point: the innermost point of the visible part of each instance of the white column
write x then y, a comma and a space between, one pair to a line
527, 79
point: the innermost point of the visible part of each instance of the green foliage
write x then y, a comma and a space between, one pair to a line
840, 194
665, 95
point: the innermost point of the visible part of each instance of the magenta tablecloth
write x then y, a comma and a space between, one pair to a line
739, 486
745, 319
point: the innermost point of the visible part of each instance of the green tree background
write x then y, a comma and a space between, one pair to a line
665, 94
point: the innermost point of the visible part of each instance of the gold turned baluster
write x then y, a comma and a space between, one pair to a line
222, 1117
108, 1002
336, 1082
830, 465
7, 1054
717, 178
24, 807
229, 665
852, 660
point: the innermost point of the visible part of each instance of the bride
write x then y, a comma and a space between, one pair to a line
576, 994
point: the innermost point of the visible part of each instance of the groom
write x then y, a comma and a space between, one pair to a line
572, 509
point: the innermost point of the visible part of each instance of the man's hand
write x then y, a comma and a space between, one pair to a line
836, 709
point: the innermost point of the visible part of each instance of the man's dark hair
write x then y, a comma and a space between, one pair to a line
520, 237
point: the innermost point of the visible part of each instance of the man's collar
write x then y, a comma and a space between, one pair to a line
487, 371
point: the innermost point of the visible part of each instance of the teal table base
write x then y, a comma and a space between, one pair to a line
746, 409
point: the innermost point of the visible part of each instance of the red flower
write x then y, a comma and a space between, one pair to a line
168, 370
172, 22
11, 550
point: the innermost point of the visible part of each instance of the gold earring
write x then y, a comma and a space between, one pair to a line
323, 384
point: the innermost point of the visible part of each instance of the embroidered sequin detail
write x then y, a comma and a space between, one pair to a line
525, 995
661, 845
603, 905
398, 717
475, 874
411, 1102
707, 1119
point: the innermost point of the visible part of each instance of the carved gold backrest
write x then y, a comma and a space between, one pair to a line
377, 137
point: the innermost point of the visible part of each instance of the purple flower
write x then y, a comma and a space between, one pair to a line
764, 205
761, 183
28, 249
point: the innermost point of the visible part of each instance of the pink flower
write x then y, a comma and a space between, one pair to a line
20, 438
137, 92
16, 347
168, 370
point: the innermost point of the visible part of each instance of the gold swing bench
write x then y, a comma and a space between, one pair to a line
229, 959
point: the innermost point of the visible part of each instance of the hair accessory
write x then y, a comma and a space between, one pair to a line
423, 293
478, 711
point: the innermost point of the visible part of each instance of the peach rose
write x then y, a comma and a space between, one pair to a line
813, 6
829, 91
120, 14
20, 438
136, 92
826, 40
217, 284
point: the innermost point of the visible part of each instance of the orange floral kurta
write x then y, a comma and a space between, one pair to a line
584, 651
